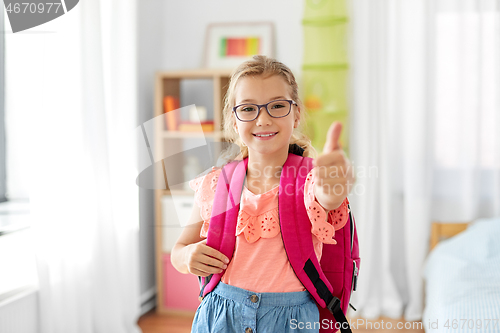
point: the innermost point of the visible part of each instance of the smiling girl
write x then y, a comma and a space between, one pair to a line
258, 289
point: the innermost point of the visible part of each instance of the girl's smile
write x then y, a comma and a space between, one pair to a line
265, 135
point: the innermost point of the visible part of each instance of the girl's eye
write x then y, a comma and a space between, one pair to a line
277, 106
248, 109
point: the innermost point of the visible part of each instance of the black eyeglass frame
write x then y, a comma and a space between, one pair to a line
292, 102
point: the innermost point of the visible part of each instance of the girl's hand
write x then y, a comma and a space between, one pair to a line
202, 260
333, 171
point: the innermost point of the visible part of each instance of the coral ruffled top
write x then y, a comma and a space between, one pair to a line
259, 262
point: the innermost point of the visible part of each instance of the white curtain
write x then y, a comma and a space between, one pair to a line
425, 116
74, 80
467, 101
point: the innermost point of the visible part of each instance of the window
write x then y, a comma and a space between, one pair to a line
467, 64
467, 133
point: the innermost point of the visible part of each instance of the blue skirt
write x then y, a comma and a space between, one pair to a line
232, 309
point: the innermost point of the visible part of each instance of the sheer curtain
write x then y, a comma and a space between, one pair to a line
467, 107
73, 79
425, 116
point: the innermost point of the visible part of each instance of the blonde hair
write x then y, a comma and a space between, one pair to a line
263, 66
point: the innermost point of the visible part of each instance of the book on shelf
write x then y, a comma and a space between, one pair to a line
205, 126
170, 105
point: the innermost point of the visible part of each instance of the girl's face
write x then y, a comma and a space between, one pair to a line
259, 90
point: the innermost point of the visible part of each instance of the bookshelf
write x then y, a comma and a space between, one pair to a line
177, 293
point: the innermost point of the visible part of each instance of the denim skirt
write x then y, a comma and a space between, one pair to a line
232, 309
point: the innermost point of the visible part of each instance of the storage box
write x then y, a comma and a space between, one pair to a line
180, 291
325, 89
176, 211
325, 43
318, 124
325, 9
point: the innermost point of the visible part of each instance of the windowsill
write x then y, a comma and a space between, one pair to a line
14, 216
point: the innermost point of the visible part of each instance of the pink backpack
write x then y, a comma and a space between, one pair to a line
329, 282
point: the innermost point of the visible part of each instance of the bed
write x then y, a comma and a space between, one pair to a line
462, 278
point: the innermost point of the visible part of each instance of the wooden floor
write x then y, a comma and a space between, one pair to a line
152, 322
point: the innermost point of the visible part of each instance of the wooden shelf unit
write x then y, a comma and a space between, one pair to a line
169, 83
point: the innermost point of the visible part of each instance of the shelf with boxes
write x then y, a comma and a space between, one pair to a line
197, 96
325, 70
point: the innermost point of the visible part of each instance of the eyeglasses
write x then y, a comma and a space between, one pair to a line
276, 109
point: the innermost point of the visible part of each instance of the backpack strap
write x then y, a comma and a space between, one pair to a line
226, 207
297, 237
332, 302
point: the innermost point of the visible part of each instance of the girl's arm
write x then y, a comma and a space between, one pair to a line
190, 253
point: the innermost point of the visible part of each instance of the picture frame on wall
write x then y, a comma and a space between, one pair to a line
229, 44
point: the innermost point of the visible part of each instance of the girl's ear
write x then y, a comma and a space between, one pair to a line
235, 127
297, 119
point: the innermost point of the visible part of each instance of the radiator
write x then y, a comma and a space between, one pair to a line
19, 311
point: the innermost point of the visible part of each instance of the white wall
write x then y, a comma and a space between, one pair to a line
150, 25
185, 23
171, 36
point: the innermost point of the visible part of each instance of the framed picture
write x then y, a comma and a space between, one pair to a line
229, 44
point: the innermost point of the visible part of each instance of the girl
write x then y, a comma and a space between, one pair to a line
259, 291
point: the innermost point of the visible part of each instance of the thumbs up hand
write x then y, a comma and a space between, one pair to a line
333, 171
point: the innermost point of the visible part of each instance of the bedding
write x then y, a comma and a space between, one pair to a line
462, 277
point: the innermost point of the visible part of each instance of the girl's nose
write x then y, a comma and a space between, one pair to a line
264, 118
